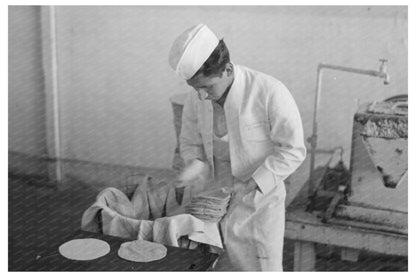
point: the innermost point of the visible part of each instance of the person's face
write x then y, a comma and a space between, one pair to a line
211, 87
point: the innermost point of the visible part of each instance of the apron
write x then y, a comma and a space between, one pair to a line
253, 229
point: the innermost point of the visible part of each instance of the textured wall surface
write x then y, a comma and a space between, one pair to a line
115, 81
27, 133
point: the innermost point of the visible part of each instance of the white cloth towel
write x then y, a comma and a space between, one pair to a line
116, 215
168, 230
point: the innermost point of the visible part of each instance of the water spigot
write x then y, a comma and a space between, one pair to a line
383, 71
387, 79
383, 66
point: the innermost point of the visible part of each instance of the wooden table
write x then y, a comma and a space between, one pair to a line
177, 259
306, 229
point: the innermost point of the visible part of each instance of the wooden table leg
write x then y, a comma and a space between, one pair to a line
304, 256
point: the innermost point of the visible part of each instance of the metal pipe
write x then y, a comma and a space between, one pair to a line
313, 140
51, 73
382, 73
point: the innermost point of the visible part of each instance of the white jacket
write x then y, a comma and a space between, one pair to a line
266, 143
264, 128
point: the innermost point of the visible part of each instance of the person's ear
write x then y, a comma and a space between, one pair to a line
229, 69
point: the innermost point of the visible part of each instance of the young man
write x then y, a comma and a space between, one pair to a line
246, 127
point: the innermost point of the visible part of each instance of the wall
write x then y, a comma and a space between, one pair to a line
115, 81
26, 96
26, 101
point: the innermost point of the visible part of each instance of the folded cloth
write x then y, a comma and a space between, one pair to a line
156, 200
114, 214
168, 230
140, 200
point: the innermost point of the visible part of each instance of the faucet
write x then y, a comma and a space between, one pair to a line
383, 71
313, 140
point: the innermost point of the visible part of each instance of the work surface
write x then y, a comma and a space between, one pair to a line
302, 225
177, 259
307, 230
40, 216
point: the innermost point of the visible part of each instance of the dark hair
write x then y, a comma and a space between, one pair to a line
215, 64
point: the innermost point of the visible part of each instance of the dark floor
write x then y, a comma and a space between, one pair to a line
40, 215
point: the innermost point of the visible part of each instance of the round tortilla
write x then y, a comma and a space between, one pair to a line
142, 251
84, 249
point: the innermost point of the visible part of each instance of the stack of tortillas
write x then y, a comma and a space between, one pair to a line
209, 206
84, 249
142, 251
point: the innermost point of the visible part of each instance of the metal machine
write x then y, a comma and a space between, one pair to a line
373, 192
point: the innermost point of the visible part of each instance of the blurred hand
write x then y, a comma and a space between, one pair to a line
195, 171
241, 189
246, 187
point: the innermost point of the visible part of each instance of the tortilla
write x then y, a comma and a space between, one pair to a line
210, 205
142, 251
84, 249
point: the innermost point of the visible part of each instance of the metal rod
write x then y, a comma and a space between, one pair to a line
55, 91
51, 74
353, 70
314, 138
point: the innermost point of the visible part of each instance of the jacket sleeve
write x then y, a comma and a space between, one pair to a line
190, 139
286, 134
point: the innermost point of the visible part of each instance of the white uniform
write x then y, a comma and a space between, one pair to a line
266, 143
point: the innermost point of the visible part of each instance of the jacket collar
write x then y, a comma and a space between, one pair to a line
235, 94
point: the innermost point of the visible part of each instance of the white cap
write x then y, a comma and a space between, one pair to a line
191, 49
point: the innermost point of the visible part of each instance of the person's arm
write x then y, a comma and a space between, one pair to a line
287, 136
190, 139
